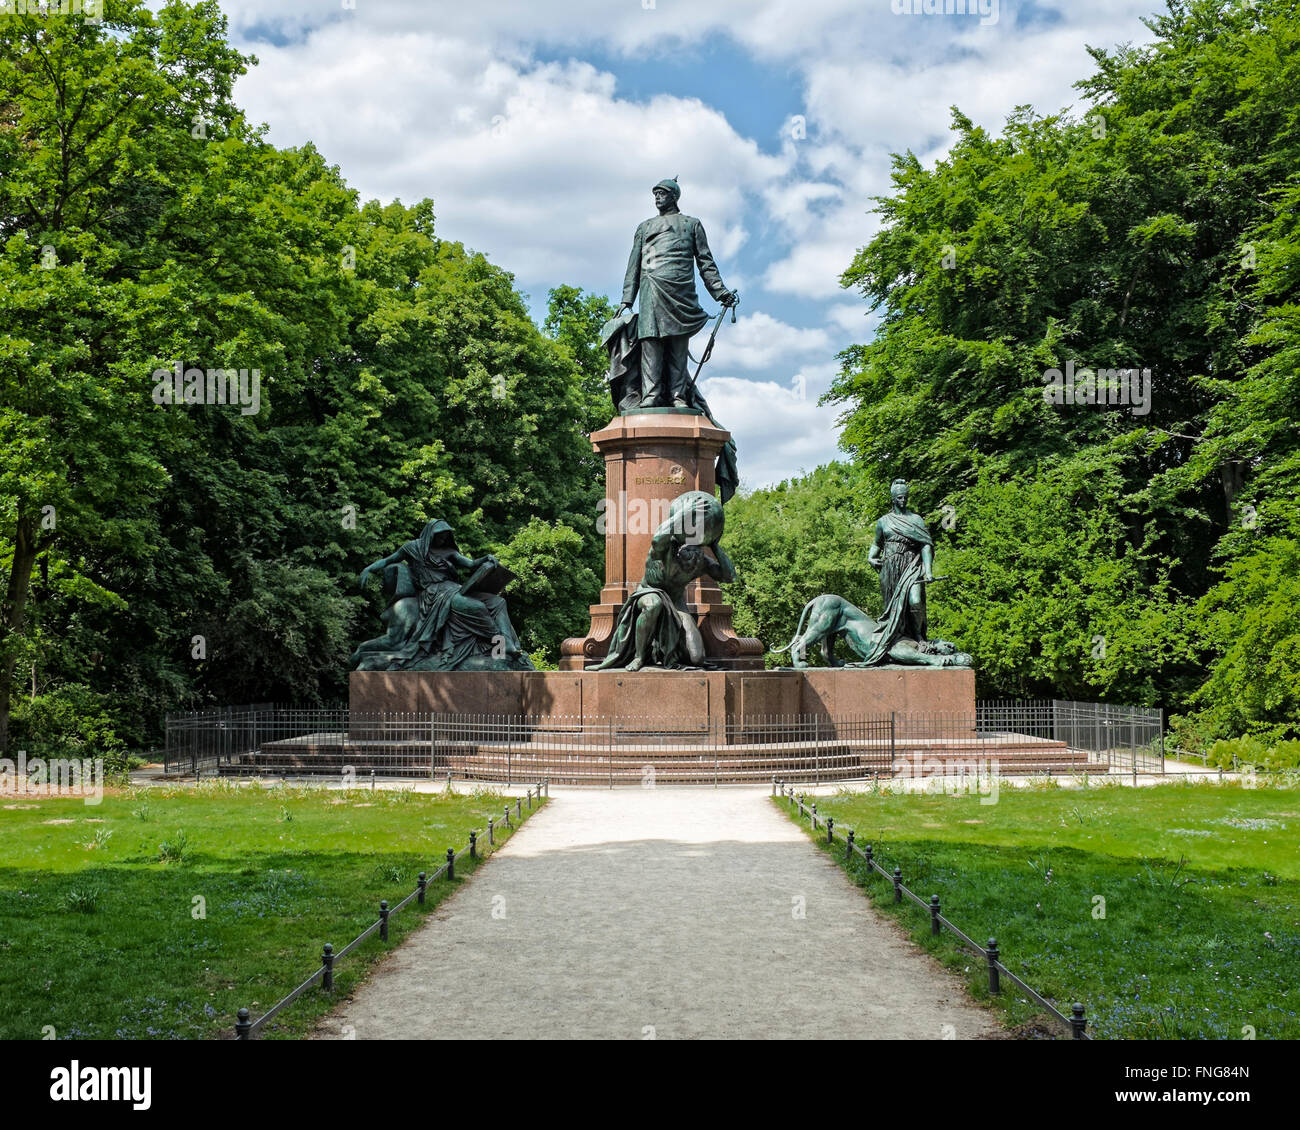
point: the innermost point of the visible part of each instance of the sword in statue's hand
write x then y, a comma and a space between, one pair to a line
708, 349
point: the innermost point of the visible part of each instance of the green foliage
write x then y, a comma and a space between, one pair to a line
71, 720
556, 584
144, 224
176, 849
1235, 753
799, 539
1156, 228
83, 900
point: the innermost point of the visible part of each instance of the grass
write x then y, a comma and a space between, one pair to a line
1171, 912
160, 912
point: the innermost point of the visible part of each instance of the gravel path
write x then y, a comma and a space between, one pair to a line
658, 913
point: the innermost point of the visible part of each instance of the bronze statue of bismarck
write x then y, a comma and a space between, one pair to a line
661, 278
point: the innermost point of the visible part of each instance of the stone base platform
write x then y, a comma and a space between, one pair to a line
689, 727
672, 701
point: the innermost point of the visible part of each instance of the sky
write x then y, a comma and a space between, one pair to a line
539, 126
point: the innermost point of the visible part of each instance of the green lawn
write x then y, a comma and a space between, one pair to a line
1201, 934
101, 940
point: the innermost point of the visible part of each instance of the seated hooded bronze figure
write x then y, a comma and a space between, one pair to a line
435, 621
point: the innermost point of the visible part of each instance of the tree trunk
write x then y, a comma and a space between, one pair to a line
13, 615
1233, 477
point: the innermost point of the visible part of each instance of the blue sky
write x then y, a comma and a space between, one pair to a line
538, 129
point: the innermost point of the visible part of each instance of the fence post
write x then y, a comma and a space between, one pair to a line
893, 749
242, 1025
1077, 1020
451, 864
934, 916
1162, 741
383, 919
422, 883
473, 845
830, 829
507, 818
848, 847
530, 800
327, 960
898, 884
870, 861
519, 808
372, 780
491, 831
995, 978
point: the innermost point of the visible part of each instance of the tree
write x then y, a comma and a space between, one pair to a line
199, 552
1152, 230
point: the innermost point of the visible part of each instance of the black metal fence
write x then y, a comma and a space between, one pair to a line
1075, 1024
246, 1028
1004, 737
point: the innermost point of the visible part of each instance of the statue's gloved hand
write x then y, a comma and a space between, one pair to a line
361, 580
729, 299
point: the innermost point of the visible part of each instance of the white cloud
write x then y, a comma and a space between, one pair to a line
520, 158
856, 319
546, 166
760, 341
780, 429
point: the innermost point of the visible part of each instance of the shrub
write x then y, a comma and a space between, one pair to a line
1284, 755
83, 900
70, 721
1229, 753
175, 849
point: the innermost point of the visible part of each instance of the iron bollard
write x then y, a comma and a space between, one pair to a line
372, 780
848, 847
473, 845
519, 808
814, 808
383, 920
243, 1025
491, 831
327, 960
870, 861
530, 800
935, 928
995, 978
507, 818
830, 829
422, 882
451, 864
898, 884
1077, 1021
